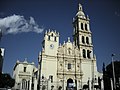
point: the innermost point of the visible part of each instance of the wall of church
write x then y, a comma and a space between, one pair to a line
49, 67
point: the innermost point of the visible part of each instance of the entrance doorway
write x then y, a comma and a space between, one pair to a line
70, 84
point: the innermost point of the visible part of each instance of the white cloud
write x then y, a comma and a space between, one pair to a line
18, 24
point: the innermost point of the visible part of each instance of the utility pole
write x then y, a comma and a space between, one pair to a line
92, 74
113, 72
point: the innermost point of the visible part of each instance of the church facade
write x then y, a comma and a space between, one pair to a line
72, 65
25, 74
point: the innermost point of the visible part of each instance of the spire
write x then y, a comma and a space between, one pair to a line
80, 7
80, 12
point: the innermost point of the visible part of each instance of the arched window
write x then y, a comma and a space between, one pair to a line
82, 26
83, 39
84, 53
87, 40
52, 34
23, 83
24, 69
88, 54
48, 37
86, 27
69, 51
69, 65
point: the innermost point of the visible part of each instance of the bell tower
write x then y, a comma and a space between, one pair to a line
50, 43
82, 34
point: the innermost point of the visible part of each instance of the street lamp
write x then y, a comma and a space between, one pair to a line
113, 72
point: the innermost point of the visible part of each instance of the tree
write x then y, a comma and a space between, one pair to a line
6, 81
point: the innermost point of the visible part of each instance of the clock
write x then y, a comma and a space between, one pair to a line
51, 46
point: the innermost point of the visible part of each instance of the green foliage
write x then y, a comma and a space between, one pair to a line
6, 81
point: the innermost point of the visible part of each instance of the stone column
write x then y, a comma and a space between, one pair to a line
111, 83
20, 86
77, 84
49, 84
35, 84
65, 84
102, 85
23, 85
89, 84
30, 84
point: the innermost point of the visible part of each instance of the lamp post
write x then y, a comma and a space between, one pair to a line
40, 63
113, 72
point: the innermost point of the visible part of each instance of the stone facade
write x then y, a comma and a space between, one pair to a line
71, 65
24, 75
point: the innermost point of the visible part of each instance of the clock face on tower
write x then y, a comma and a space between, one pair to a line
51, 46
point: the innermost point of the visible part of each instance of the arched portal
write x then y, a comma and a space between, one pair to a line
70, 83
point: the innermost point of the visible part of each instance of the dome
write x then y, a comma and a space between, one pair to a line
80, 12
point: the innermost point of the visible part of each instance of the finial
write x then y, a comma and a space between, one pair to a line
49, 30
87, 17
52, 30
25, 59
46, 32
68, 39
80, 7
18, 61
58, 34
55, 31
64, 42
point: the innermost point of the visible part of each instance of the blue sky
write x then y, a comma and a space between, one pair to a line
57, 15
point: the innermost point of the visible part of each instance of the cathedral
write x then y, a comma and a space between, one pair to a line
71, 65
